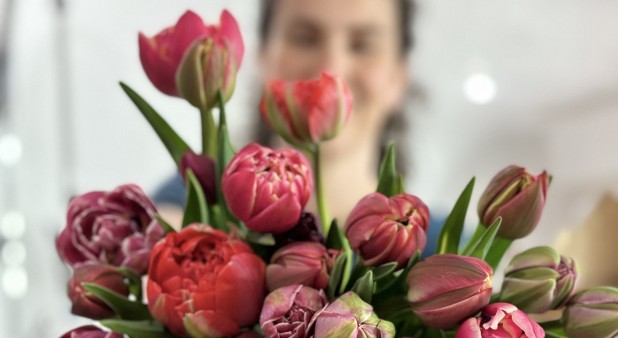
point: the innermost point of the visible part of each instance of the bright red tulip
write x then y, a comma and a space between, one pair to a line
161, 54
383, 230
291, 311
516, 196
267, 189
306, 263
203, 283
446, 289
307, 112
117, 228
90, 331
86, 304
500, 320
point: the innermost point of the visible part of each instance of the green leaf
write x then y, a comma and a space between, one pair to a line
497, 250
196, 207
384, 270
448, 242
174, 144
335, 237
390, 182
478, 232
434, 333
137, 329
166, 226
335, 276
225, 153
365, 286
482, 246
124, 308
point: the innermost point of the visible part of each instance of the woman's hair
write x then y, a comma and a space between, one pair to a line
396, 125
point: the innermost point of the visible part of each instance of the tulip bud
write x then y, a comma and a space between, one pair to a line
204, 169
501, 320
517, 197
350, 316
307, 112
90, 331
290, 311
538, 280
306, 263
592, 313
383, 230
86, 304
446, 289
267, 189
306, 230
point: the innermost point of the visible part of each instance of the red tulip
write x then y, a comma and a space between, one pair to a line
290, 311
446, 289
267, 189
500, 320
516, 196
117, 228
306, 263
307, 111
201, 282
86, 304
161, 54
90, 331
383, 230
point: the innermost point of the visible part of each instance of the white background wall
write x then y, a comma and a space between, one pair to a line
556, 107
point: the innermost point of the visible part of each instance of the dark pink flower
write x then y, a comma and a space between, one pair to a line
500, 320
383, 230
267, 189
204, 169
90, 331
117, 228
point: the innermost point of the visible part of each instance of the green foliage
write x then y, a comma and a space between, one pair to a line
448, 242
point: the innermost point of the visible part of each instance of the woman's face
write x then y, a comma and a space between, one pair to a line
356, 39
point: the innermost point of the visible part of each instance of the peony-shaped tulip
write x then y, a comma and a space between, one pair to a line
203, 283
291, 311
446, 289
383, 230
501, 320
538, 280
307, 112
90, 331
117, 228
516, 196
267, 189
86, 304
204, 169
350, 316
162, 54
306, 263
592, 313
306, 230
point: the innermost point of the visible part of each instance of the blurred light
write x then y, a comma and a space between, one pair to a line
15, 282
480, 88
13, 225
14, 253
10, 149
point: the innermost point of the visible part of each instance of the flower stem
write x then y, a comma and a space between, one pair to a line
319, 189
209, 133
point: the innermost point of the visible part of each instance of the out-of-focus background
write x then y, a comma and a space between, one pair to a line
528, 82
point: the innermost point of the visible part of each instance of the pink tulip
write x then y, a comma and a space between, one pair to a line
86, 304
118, 227
516, 196
500, 320
161, 54
592, 313
204, 169
290, 311
446, 289
90, 331
383, 230
306, 263
267, 189
307, 111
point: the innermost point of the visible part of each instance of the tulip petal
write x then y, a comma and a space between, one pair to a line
231, 32
207, 324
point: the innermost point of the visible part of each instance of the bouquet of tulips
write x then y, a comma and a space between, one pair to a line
250, 262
